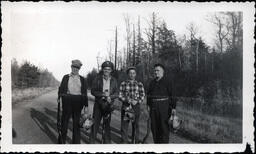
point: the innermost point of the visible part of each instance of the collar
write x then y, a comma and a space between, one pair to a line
132, 81
72, 75
106, 79
160, 79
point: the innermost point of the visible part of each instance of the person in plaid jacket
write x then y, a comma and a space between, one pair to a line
132, 95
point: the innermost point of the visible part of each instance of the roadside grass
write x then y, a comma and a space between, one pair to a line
203, 128
197, 126
28, 93
208, 128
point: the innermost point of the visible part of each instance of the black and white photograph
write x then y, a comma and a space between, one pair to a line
127, 76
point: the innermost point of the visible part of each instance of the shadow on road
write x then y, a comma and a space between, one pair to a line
115, 133
14, 134
47, 123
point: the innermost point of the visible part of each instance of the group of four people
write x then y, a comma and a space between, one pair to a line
160, 103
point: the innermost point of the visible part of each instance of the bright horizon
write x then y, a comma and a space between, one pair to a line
50, 35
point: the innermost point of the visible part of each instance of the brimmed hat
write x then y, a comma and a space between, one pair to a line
130, 68
107, 64
76, 63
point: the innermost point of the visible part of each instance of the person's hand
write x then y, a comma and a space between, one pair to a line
86, 112
108, 99
148, 108
123, 99
173, 111
134, 102
129, 100
105, 94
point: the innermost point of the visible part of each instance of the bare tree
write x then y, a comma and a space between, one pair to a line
229, 29
235, 21
193, 30
197, 47
128, 38
98, 57
109, 49
119, 60
124, 58
139, 40
115, 48
151, 32
133, 47
222, 31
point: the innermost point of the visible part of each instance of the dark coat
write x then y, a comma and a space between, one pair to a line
97, 88
64, 88
161, 89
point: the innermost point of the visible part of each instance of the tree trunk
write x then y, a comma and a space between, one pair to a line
179, 58
115, 47
139, 41
153, 33
133, 54
197, 55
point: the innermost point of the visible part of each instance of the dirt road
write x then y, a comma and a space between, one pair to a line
34, 122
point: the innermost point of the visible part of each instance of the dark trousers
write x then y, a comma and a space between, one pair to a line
98, 114
159, 121
71, 106
135, 124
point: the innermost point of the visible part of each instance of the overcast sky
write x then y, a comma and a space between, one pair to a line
50, 35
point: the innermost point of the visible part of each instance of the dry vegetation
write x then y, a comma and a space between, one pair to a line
210, 129
28, 93
204, 128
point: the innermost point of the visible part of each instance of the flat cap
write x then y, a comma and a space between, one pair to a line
107, 64
76, 63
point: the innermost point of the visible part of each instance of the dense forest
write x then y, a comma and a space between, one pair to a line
208, 78
28, 75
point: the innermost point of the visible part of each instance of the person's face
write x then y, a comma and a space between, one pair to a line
159, 72
75, 70
132, 74
107, 71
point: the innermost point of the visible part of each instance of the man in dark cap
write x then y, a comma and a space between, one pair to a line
132, 95
105, 90
73, 92
161, 104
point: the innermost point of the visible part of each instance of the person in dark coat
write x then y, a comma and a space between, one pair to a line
105, 90
73, 92
161, 104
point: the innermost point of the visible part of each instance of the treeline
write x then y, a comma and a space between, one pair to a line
28, 75
211, 73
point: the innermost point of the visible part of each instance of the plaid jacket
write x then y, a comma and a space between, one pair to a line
132, 90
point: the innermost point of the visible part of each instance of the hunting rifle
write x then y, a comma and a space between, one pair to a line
60, 140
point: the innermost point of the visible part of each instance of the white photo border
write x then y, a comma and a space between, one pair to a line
248, 84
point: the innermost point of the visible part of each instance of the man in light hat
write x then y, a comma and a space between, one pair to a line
132, 95
161, 104
105, 90
73, 92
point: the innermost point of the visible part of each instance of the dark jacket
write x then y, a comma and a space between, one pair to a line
97, 88
161, 89
64, 88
